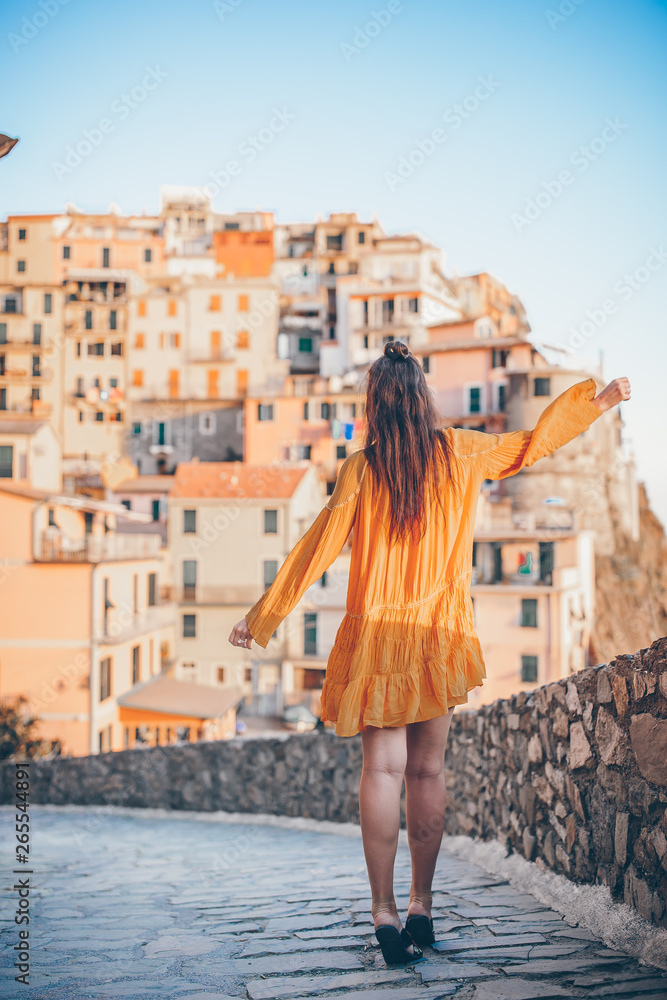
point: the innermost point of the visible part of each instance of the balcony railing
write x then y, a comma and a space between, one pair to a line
214, 595
24, 375
98, 548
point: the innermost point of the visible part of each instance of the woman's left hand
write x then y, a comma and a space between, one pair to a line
240, 635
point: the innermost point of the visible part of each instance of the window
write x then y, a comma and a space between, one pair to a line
310, 633
67, 253
247, 675
155, 509
243, 339
546, 562
426, 364
189, 579
52, 518
105, 256
105, 678
36, 333
136, 428
413, 305
21, 234
325, 411
48, 302
243, 303
11, 304
323, 579
104, 739
529, 612
474, 553
221, 675
475, 399
173, 383
88, 319
141, 308
113, 383
189, 626
214, 303
306, 345
117, 349
270, 522
160, 433
113, 319
151, 599
6, 460
174, 340
3, 333
499, 358
387, 310
341, 451
335, 241
528, 669
361, 237
207, 423
542, 387
171, 307
502, 398
127, 504
270, 572
99, 416
189, 522
137, 377
265, 411
20, 265
96, 348
136, 664
148, 255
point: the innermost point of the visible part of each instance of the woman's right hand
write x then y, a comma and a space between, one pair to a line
614, 393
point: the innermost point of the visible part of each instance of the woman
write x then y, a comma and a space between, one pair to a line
406, 652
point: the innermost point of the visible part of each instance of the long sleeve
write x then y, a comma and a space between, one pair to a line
312, 555
500, 455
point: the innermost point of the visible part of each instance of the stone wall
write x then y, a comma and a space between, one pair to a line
573, 776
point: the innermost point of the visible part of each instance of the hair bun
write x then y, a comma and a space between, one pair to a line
396, 349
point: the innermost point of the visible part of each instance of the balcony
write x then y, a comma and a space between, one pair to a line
212, 357
14, 375
29, 408
98, 548
222, 595
21, 344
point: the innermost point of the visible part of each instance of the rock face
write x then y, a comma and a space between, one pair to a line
573, 776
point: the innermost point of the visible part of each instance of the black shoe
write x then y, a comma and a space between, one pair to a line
420, 929
394, 945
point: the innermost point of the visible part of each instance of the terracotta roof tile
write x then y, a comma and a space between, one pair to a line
235, 479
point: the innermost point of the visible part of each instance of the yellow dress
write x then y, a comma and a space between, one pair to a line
406, 649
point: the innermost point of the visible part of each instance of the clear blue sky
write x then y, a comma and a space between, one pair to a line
555, 80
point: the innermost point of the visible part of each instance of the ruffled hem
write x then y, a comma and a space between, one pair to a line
397, 666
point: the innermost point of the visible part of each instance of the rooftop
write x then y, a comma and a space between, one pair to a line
173, 697
235, 480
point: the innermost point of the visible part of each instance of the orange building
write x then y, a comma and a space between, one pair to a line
244, 254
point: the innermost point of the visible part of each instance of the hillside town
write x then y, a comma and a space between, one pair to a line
177, 394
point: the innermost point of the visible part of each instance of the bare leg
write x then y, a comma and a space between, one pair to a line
425, 798
385, 756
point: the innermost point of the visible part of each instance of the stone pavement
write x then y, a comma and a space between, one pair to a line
181, 908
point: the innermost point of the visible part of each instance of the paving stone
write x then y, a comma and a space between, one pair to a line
283, 986
518, 989
434, 971
558, 966
635, 988
297, 962
472, 942
283, 946
304, 923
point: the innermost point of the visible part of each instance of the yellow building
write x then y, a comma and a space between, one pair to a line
82, 615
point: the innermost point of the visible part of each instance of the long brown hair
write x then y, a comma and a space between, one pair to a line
402, 438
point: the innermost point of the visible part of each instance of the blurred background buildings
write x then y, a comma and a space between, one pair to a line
177, 394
